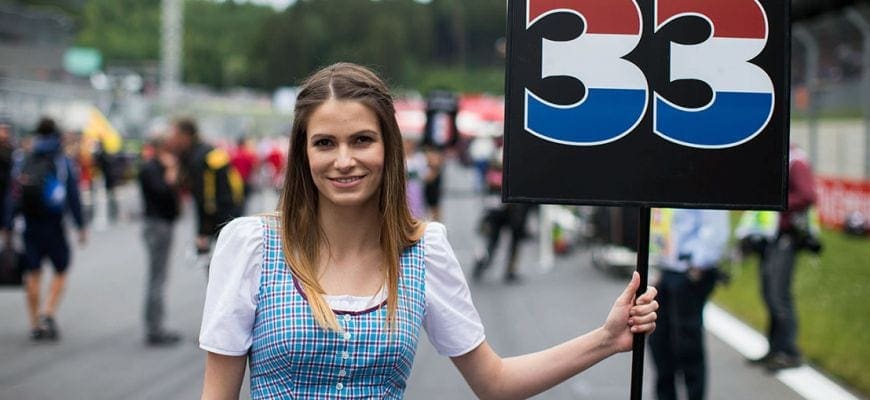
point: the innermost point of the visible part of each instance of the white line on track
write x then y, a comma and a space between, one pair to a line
804, 380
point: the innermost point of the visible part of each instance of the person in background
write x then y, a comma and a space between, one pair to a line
778, 262
416, 167
482, 151
328, 297
6, 161
217, 188
158, 179
687, 247
244, 159
432, 180
496, 217
44, 232
275, 160
106, 163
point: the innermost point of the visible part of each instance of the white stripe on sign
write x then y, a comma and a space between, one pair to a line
594, 59
722, 63
806, 381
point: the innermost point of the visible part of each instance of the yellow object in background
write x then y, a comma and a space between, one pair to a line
761, 223
661, 243
98, 128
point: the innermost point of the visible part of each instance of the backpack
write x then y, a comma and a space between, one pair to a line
43, 186
217, 162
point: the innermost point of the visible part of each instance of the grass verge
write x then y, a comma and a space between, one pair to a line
831, 293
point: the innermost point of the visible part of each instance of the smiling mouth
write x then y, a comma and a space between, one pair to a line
349, 179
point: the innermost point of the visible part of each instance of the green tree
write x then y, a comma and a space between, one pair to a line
392, 36
217, 42
446, 43
125, 31
486, 21
69, 8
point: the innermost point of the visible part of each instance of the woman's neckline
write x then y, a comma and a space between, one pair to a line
345, 312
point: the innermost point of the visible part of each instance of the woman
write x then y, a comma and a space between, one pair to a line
340, 318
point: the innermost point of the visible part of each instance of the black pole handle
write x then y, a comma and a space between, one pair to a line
643, 270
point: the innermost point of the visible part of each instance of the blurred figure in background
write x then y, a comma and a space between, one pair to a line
416, 167
687, 246
6, 160
217, 188
84, 158
106, 163
46, 188
244, 159
432, 181
275, 160
158, 178
439, 134
794, 233
481, 151
496, 217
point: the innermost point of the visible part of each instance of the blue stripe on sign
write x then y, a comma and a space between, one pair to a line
732, 119
604, 115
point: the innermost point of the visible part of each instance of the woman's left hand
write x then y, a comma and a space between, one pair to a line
629, 316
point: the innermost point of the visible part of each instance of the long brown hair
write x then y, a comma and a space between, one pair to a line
301, 233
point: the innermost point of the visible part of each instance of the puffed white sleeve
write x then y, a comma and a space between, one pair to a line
233, 286
451, 320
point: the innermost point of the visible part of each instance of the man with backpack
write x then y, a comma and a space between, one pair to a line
46, 187
217, 187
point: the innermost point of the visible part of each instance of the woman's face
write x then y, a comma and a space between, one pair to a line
345, 150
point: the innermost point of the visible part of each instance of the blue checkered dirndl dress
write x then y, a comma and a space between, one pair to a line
292, 357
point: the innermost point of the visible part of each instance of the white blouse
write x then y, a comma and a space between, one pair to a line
451, 321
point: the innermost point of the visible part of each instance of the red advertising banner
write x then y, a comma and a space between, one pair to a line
838, 197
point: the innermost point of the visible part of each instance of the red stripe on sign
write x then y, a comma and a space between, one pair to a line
731, 18
602, 16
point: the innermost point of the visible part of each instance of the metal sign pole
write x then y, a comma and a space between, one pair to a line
643, 270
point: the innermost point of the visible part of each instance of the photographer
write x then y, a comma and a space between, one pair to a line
795, 232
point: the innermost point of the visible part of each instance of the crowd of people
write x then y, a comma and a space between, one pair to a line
45, 174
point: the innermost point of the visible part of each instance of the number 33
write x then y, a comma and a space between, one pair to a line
617, 92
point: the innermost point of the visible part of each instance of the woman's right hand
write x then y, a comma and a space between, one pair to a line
629, 316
